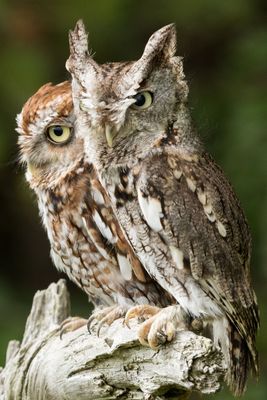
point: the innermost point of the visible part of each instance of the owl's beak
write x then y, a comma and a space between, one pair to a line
110, 134
31, 168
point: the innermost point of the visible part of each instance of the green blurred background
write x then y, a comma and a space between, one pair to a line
224, 44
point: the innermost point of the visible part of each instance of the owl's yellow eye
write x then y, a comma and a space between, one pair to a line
143, 100
58, 134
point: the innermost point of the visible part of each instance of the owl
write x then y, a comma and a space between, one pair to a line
174, 204
86, 241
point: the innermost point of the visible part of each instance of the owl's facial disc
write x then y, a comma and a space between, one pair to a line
142, 101
115, 102
49, 148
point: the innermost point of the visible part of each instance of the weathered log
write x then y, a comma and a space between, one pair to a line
114, 365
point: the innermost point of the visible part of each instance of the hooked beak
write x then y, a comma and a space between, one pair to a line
31, 168
110, 134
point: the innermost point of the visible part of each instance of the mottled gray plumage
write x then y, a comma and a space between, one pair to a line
174, 203
86, 240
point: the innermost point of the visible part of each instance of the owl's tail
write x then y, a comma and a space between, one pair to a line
239, 362
241, 357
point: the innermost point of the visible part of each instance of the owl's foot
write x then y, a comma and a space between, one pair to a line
71, 324
105, 317
162, 326
142, 312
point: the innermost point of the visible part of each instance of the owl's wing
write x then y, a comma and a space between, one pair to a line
127, 276
106, 233
191, 212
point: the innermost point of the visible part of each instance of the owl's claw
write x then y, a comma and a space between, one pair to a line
71, 324
142, 312
106, 316
97, 316
161, 325
156, 331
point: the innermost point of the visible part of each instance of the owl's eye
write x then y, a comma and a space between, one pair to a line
58, 134
143, 100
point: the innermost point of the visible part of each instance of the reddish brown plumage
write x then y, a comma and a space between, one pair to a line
43, 98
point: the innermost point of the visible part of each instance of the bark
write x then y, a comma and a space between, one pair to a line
114, 365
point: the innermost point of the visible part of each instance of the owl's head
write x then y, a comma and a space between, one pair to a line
126, 107
47, 141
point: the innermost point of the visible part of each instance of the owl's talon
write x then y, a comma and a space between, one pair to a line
162, 327
144, 331
71, 324
91, 319
106, 320
89, 322
142, 312
106, 316
97, 316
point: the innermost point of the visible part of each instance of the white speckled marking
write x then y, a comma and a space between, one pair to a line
104, 229
211, 217
125, 267
97, 196
221, 229
191, 184
209, 212
202, 197
208, 208
152, 211
177, 256
177, 174
101, 249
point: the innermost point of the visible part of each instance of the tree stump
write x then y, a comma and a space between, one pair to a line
81, 366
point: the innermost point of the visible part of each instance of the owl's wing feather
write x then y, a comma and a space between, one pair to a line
193, 209
106, 232
121, 267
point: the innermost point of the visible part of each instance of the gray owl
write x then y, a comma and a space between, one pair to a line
174, 204
86, 240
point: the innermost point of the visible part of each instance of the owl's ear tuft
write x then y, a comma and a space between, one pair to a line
160, 48
80, 56
78, 39
162, 44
